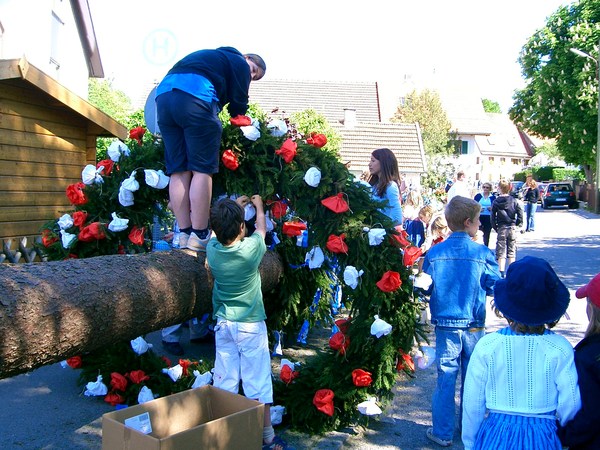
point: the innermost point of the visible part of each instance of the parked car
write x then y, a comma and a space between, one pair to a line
516, 189
559, 194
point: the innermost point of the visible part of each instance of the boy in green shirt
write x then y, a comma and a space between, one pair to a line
242, 344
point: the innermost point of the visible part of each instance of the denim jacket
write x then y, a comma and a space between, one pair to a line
463, 272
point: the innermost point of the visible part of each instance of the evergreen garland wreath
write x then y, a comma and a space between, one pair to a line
323, 393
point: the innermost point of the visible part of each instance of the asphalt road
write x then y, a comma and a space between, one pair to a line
45, 409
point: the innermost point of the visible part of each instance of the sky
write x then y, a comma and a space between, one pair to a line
472, 43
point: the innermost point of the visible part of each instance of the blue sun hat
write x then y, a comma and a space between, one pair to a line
531, 293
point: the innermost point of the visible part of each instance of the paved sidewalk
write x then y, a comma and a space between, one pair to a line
45, 410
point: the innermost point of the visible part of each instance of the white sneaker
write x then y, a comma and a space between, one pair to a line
183, 240
197, 244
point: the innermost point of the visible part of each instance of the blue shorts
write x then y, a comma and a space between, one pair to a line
191, 131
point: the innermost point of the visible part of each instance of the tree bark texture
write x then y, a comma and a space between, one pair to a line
54, 310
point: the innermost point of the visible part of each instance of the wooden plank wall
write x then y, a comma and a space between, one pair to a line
43, 148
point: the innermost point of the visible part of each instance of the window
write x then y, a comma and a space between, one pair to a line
58, 11
502, 160
464, 148
515, 161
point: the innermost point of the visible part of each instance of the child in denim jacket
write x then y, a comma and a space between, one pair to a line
463, 273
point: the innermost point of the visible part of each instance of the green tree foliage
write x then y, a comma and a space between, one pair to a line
561, 96
111, 101
425, 108
490, 106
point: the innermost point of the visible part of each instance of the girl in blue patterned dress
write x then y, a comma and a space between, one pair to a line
522, 379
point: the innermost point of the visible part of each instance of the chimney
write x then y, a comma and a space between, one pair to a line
349, 118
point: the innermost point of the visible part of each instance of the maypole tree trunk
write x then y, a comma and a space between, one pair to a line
54, 310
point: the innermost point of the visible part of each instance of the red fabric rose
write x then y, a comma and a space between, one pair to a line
93, 232
240, 121
108, 166
336, 203
72, 256
292, 229
118, 381
343, 324
287, 375
79, 218
278, 209
411, 255
323, 400
137, 376
185, 364
405, 362
137, 133
114, 399
48, 238
74, 362
390, 281
340, 342
287, 150
336, 244
136, 235
361, 378
317, 140
401, 237
230, 160
121, 249
75, 194
166, 360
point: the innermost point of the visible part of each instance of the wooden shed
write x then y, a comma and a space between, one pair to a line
47, 135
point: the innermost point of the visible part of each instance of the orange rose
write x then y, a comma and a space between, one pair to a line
323, 400
136, 235
230, 160
361, 378
75, 194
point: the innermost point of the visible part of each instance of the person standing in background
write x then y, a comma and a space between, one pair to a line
507, 215
531, 197
459, 187
485, 199
384, 178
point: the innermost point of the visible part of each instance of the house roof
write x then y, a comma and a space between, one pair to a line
21, 71
403, 139
504, 139
329, 98
465, 111
87, 35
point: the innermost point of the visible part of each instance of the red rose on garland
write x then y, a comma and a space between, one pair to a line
390, 281
336, 244
75, 194
114, 399
118, 382
278, 209
340, 342
79, 218
411, 255
401, 237
287, 150
343, 324
185, 364
361, 378
323, 400
336, 203
47, 238
230, 160
292, 229
137, 376
405, 362
137, 133
287, 375
136, 235
108, 166
240, 121
93, 232
317, 140
74, 362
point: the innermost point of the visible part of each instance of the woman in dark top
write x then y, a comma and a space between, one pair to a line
531, 197
485, 199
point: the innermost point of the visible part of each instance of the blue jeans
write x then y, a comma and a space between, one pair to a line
530, 215
454, 347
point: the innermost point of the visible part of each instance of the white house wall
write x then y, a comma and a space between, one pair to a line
27, 31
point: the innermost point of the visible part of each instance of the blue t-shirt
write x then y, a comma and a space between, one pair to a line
392, 196
192, 83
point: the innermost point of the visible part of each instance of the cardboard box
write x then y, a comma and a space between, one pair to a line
202, 418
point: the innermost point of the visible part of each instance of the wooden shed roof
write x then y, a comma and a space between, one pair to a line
19, 70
